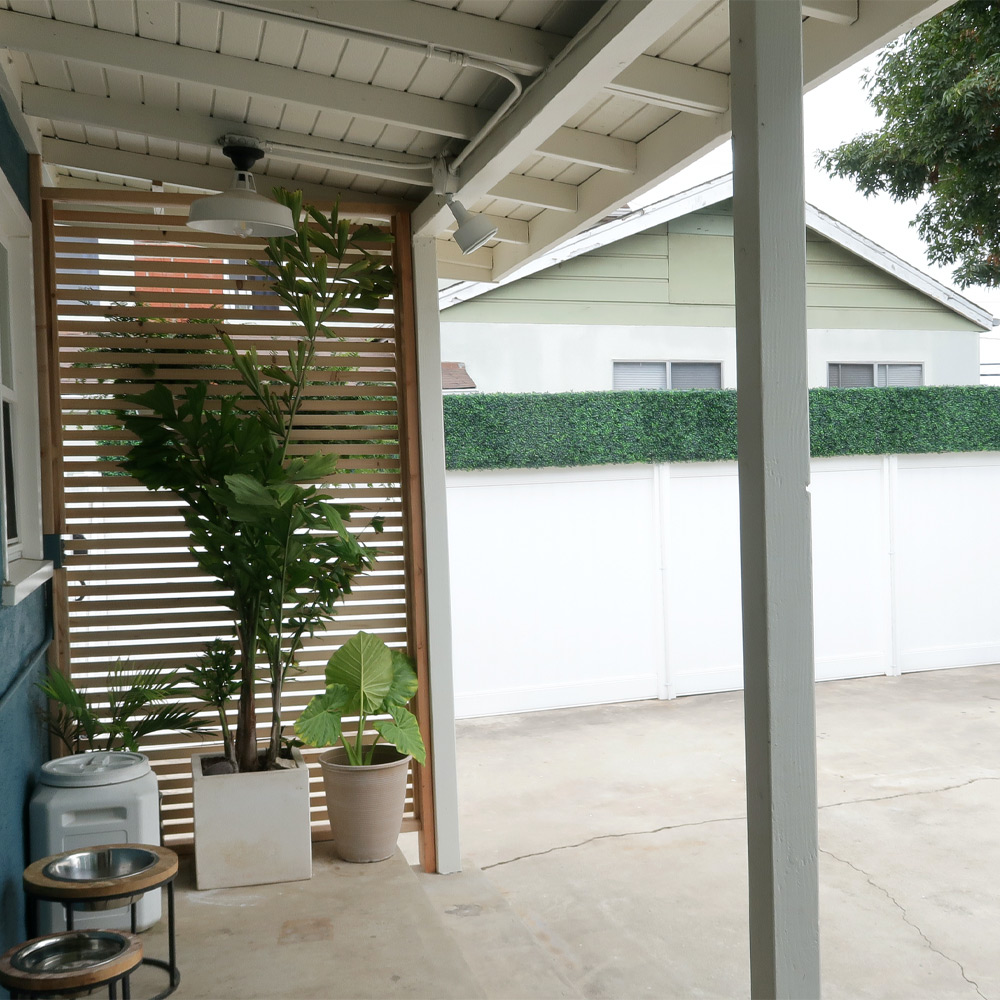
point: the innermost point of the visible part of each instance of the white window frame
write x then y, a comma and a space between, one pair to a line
24, 569
667, 367
875, 366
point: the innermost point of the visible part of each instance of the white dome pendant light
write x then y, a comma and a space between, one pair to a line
241, 211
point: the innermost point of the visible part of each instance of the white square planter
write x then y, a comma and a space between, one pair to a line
250, 829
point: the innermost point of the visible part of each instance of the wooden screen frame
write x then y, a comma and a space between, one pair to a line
44, 203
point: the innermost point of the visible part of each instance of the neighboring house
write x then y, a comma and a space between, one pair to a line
454, 377
647, 301
624, 580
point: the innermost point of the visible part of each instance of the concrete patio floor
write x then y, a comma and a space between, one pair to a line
606, 857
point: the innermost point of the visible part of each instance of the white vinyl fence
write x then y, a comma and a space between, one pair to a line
615, 583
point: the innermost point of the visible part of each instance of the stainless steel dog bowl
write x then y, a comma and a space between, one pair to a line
69, 952
101, 864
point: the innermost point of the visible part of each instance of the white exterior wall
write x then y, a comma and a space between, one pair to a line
616, 583
516, 357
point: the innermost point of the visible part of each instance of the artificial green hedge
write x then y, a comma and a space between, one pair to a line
533, 430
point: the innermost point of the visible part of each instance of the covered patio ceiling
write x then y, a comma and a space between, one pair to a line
547, 115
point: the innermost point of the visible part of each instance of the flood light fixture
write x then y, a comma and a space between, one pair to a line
473, 230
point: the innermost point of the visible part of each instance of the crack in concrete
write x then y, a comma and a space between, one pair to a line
916, 791
906, 917
725, 819
609, 836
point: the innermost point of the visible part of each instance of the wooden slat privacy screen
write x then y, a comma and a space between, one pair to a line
135, 296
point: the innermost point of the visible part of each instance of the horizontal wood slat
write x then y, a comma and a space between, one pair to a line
139, 299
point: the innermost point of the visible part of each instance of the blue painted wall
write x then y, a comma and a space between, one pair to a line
14, 158
24, 635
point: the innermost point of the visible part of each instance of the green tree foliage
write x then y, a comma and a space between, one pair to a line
938, 92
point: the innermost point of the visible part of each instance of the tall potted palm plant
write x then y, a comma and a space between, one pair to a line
258, 517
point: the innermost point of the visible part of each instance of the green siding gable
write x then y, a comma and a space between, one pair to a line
681, 274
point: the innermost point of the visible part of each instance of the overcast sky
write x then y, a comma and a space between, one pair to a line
837, 111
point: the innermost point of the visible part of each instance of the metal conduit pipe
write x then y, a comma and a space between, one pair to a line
428, 51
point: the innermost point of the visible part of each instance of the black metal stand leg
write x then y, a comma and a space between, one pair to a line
68, 908
171, 939
134, 919
112, 992
127, 987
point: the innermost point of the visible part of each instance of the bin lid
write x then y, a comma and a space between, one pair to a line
102, 767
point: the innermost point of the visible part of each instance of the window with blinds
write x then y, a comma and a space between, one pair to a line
640, 375
859, 376
667, 375
695, 375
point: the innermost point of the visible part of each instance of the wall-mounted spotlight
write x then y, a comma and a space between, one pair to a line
473, 230
241, 211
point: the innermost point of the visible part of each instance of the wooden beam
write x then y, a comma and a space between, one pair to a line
480, 261
835, 11
177, 126
509, 230
779, 672
525, 50
414, 563
673, 85
609, 43
534, 191
27, 33
120, 163
602, 151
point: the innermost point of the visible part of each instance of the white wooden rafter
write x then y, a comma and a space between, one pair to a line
602, 151
119, 162
179, 126
522, 49
673, 85
28, 33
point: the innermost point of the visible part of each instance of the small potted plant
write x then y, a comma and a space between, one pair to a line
136, 703
365, 776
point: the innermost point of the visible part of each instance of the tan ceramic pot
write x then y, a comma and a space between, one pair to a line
365, 803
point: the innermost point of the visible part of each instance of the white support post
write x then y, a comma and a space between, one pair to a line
442, 689
773, 429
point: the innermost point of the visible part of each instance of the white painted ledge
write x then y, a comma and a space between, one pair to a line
23, 577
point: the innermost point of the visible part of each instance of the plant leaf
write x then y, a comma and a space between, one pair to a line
363, 664
403, 732
321, 722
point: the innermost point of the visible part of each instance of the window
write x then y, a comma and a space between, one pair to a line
667, 375
855, 376
8, 409
20, 495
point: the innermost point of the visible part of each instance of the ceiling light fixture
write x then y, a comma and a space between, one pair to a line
473, 230
241, 211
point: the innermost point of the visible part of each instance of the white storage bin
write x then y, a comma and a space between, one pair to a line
87, 800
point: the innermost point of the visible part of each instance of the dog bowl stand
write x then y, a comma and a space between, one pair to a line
53, 981
41, 886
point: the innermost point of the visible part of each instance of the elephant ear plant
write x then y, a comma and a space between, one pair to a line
259, 520
365, 678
